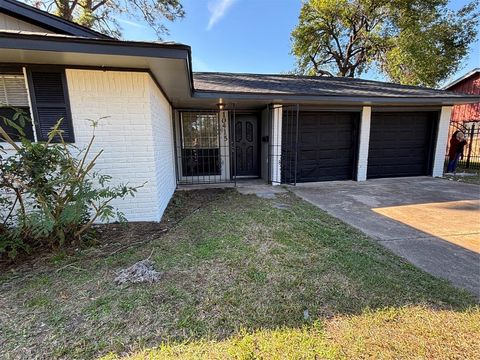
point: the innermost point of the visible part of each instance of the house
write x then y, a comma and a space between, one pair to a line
164, 125
467, 84
466, 117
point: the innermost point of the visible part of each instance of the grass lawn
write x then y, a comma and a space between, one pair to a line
242, 279
474, 178
469, 179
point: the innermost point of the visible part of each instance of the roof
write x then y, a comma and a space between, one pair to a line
461, 78
168, 63
271, 84
23, 34
81, 46
44, 19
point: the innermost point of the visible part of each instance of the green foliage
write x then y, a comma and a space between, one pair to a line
416, 42
102, 15
50, 194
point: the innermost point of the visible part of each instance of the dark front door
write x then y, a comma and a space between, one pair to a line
401, 144
246, 144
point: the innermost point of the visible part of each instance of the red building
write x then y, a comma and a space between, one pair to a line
467, 84
466, 118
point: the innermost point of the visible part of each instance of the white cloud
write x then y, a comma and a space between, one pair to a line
132, 23
218, 9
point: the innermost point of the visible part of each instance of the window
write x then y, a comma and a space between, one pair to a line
49, 101
14, 98
49, 95
200, 144
200, 130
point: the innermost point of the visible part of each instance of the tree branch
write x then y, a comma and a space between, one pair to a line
96, 6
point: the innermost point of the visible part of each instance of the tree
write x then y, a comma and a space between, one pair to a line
416, 42
102, 15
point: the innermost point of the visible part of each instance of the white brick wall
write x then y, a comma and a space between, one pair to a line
163, 146
136, 136
276, 144
441, 143
364, 143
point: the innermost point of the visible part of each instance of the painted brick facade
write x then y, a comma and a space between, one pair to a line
164, 147
441, 141
135, 135
364, 143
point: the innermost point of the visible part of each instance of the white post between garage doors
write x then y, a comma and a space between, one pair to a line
276, 145
441, 143
364, 141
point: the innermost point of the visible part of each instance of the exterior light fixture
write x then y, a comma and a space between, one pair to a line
221, 106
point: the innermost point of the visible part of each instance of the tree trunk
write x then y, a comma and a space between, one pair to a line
86, 18
63, 10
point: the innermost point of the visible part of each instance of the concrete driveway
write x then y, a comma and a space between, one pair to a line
433, 223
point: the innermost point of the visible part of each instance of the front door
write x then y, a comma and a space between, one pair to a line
246, 144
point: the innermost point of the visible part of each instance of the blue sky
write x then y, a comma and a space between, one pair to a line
246, 35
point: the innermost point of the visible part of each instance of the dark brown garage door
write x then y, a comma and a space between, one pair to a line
327, 143
401, 144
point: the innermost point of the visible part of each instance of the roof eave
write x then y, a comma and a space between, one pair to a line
70, 51
460, 79
332, 99
45, 42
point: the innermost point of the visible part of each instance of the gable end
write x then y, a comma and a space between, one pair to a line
43, 20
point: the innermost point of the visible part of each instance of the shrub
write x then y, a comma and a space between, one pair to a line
50, 194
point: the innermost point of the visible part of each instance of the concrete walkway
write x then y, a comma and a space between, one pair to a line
433, 223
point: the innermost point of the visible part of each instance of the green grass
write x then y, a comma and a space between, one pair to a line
238, 275
405, 333
474, 178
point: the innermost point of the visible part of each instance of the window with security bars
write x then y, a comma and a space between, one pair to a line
200, 144
13, 100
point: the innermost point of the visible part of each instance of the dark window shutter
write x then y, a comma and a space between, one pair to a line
49, 96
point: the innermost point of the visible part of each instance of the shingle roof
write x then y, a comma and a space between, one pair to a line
461, 78
107, 40
289, 85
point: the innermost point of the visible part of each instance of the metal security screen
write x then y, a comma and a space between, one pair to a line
471, 152
200, 144
290, 116
283, 144
202, 147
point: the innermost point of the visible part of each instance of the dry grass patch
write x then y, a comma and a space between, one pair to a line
403, 333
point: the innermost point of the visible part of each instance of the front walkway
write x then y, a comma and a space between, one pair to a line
433, 223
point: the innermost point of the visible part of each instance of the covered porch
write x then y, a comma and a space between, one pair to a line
228, 142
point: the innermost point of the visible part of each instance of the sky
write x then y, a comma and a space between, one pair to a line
251, 36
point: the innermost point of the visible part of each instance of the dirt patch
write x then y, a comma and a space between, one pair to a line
113, 238
140, 272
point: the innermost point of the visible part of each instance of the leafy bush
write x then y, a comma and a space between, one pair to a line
50, 194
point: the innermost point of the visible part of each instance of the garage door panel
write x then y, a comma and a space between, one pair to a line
402, 170
318, 174
326, 146
400, 144
340, 154
396, 155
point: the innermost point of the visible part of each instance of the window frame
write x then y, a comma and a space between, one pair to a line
216, 133
201, 155
20, 70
